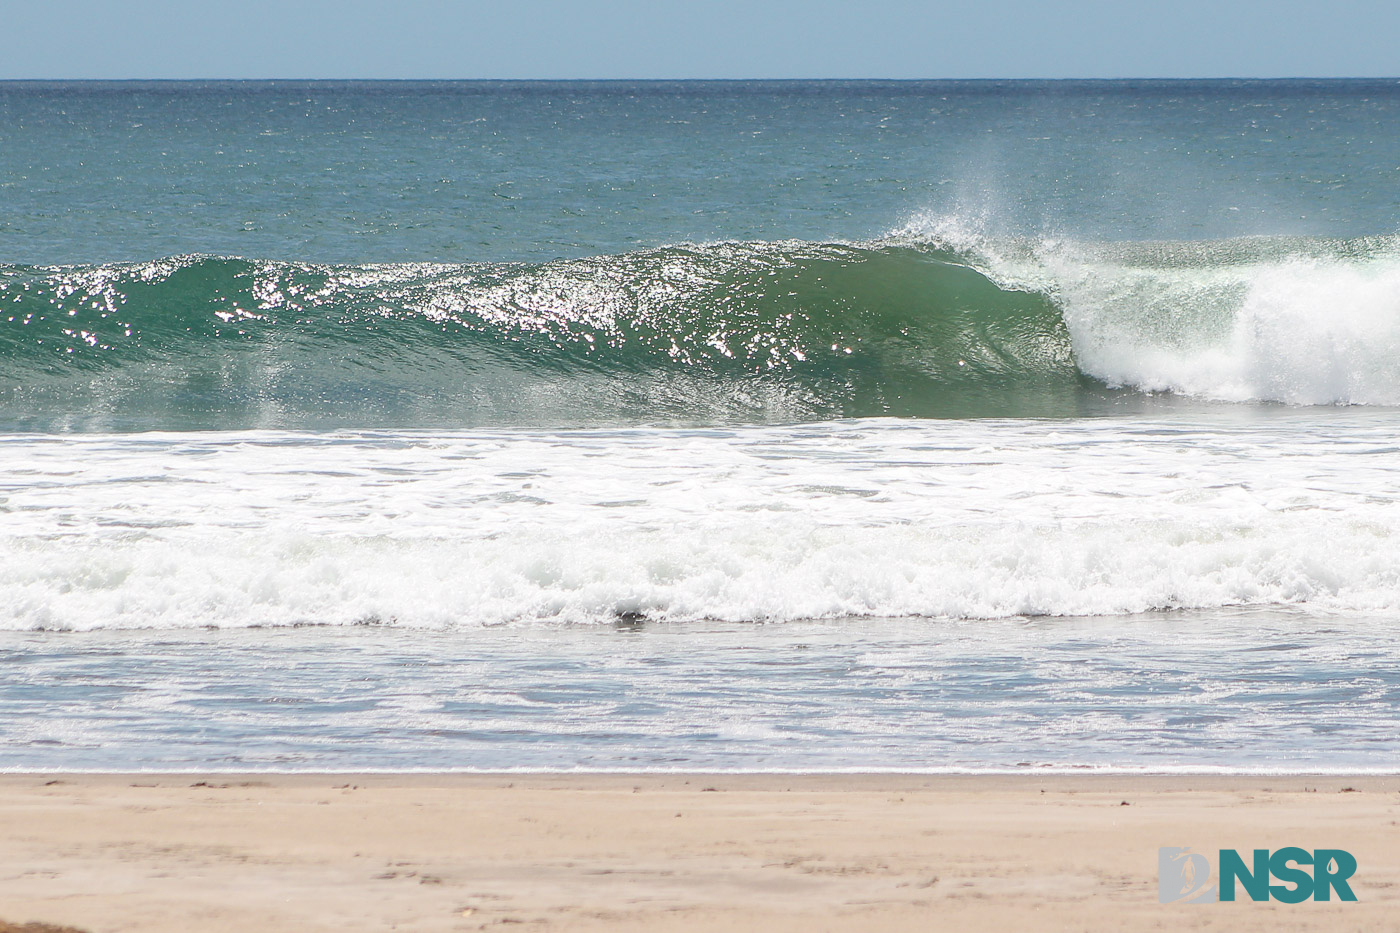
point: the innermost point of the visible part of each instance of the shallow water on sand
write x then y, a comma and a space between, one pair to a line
1195, 691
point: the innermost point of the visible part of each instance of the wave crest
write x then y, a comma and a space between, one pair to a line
733, 331
934, 323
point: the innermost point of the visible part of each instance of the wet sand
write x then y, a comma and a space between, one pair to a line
168, 853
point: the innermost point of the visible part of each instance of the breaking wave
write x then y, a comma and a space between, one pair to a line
921, 323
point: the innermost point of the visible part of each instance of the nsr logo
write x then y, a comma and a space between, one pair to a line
1183, 875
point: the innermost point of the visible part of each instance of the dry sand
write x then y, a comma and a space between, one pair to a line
769, 853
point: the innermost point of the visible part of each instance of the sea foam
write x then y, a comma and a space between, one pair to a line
869, 518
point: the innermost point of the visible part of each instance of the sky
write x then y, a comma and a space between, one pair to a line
697, 39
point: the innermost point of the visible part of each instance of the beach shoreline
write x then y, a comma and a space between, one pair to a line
698, 851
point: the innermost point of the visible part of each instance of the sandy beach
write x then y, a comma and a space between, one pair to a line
108, 853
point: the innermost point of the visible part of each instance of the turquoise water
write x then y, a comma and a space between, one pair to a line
487, 171
882, 404
275, 255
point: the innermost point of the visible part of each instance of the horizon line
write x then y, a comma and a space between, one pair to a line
732, 80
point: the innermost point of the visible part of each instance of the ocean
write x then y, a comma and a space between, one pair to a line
632, 426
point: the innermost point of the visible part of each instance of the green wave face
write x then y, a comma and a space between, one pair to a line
694, 335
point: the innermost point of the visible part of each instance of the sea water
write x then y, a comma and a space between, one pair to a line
737, 425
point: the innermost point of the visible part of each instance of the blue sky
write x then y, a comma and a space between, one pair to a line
696, 39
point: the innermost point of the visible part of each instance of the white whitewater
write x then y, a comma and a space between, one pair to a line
881, 517
1302, 321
